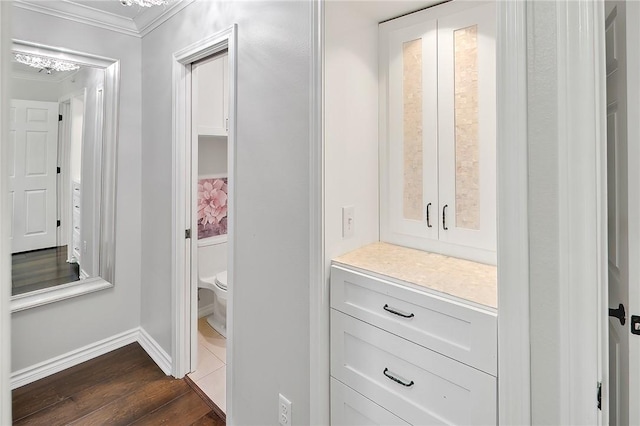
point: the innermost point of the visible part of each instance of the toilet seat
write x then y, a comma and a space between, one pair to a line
221, 280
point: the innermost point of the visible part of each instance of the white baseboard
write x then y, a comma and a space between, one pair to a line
70, 359
55, 365
205, 311
155, 351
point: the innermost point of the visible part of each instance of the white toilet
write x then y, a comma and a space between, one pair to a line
212, 275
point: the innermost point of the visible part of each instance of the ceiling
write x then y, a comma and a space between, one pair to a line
22, 71
108, 14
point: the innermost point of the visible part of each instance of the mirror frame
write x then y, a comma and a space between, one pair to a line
106, 158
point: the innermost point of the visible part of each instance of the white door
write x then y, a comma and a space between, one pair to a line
412, 148
623, 241
33, 145
467, 127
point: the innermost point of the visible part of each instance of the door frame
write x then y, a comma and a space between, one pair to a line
633, 151
184, 298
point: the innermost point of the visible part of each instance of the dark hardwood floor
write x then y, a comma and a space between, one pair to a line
38, 269
122, 387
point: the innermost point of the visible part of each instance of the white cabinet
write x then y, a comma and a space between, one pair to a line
74, 251
210, 87
409, 355
349, 408
437, 131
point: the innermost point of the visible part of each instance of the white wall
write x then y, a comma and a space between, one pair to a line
271, 288
5, 250
543, 205
35, 90
75, 151
83, 144
212, 155
45, 332
351, 124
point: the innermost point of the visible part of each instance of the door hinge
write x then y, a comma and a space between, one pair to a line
59, 117
58, 170
599, 395
58, 223
187, 233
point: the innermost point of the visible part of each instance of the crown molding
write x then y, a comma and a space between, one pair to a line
145, 22
81, 14
149, 19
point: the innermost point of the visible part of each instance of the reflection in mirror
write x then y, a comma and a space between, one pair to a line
62, 135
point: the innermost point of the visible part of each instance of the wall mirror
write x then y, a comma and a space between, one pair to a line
61, 161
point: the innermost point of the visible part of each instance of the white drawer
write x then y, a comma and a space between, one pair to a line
349, 408
457, 330
437, 390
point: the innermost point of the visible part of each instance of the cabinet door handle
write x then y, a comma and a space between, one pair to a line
444, 217
395, 379
428, 219
393, 311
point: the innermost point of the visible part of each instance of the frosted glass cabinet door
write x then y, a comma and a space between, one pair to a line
412, 200
466, 123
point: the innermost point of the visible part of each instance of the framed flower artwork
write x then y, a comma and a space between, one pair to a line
212, 207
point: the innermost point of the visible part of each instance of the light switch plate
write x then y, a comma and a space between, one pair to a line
348, 222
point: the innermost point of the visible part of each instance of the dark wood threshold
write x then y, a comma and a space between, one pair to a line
206, 399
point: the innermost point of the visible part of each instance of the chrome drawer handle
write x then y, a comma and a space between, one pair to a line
395, 379
400, 314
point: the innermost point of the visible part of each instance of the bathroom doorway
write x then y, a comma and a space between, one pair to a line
209, 189
202, 249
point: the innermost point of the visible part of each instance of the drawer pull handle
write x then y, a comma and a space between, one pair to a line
395, 379
400, 314
444, 217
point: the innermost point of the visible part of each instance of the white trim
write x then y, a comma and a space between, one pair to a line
319, 380
514, 368
5, 248
45, 296
633, 153
580, 125
184, 314
62, 362
54, 365
139, 26
82, 14
155, 351
80, 58
148, 20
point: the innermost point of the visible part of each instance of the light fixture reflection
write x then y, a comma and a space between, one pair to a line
144, 3
47, 64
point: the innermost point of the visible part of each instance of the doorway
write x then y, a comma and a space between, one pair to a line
209, 189
621, 342
195, 69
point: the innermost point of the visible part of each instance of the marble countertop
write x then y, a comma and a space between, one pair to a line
463, 279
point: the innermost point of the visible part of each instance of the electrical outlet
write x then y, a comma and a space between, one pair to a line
348, 221
84, 247
284, 411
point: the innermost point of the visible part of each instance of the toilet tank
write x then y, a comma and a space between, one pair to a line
212, 256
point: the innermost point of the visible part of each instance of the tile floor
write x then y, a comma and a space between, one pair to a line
211, 373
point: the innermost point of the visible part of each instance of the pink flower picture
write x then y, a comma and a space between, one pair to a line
212, 207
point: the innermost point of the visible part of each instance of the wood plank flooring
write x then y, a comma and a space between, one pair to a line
122, 387
35, 270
